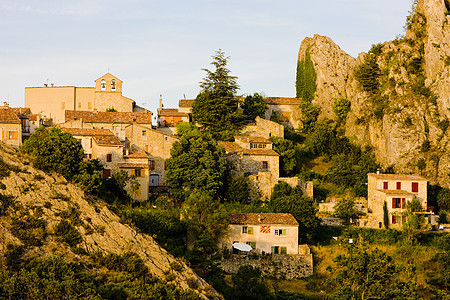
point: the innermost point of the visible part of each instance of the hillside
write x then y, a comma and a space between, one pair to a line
398, 92
34, 206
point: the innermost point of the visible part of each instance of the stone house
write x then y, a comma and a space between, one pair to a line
396, 190
168, 118
136, 163
263, 128
52, 101
275, 233
10, 126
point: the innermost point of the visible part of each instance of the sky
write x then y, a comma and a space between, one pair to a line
160, 47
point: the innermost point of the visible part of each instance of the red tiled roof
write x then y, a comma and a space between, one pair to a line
232, 147
107, 140
396, 176
282, 101
263, 218
109, 117
185, 103
32, 117
87, 131
137, 153
171, 112
396, 192
7, 115
252, 139
132, 166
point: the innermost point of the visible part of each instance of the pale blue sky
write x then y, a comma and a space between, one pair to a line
160, 47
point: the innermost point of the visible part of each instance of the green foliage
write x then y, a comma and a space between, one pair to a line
250, 285
163, 224
376, 49
345, 209
421, 164
197, 162
341, 107
285, 148
66, 232
206, 215
6, 201
275, 117
306, 78
30, 230
368, 73
410, 17
4, 169
444, 124
443, 198
239, 190
385, 215
366, 275
216, 107
13, 256
254, 106
111, 109
54, 150
309, 116
284, 199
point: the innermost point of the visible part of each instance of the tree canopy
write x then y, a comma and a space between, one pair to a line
216, 106
55, 150
197, 162
254, 106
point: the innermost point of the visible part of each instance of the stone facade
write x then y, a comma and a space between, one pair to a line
287, 110
10, 126
263, 128
396, 190
288, 267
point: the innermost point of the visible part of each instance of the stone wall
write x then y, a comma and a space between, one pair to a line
264, 128
281, 266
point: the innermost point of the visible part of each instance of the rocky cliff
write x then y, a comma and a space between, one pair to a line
404, 115
35, 195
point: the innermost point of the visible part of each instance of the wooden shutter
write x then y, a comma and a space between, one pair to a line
250, 230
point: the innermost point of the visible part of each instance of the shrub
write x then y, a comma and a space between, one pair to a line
66, 232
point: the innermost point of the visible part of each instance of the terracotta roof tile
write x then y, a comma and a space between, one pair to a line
252, 139
107, 140
262, 152
282, 101
87, 131
7, 115
109, 117
185, 103
396, 192
263, 218
232, 147
137, 153
32, 117
396, 176
171, 112
132, 166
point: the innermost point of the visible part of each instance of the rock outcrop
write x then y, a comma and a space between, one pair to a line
100, 228
406, 119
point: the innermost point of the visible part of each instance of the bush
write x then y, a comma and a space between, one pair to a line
66, 232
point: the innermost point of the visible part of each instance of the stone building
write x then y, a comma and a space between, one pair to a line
10, 126
168, 118
263, 128
275, 233
395, 190
52, 101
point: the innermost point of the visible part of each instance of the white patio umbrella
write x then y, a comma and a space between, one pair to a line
242, 247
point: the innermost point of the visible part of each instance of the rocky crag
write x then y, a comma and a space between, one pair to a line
399, 92
35, 195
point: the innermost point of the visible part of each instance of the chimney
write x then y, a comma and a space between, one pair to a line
45, 85
52, 84
160, 101
378, 171
5, 104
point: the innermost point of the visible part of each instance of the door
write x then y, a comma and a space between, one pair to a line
153, 180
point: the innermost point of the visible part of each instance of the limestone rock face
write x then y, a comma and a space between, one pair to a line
33, 188
414, 89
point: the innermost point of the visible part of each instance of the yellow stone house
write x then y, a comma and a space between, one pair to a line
275, 233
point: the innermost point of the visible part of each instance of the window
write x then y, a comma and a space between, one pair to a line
247, 230
394, 220
385, 185
283, 250
415, 187
265, 165
244, 229
396, 203
113, 85
399, 185
109, 157
12, 135
137, 172
151, 164
137, 193
281, 232
144, 132
106, 173
103, 85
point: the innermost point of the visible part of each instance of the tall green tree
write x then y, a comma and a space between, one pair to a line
216, 106
197, 162
254, 106
54, 150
